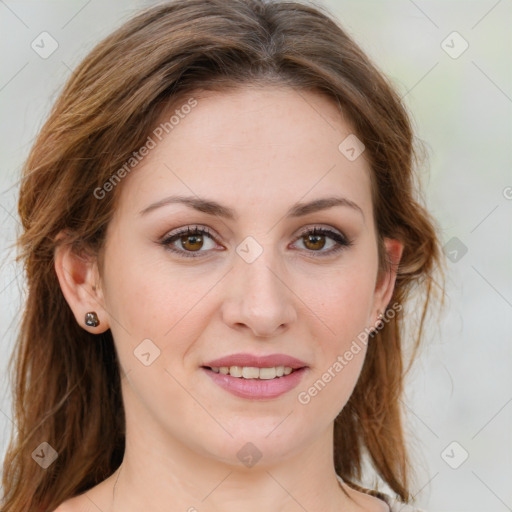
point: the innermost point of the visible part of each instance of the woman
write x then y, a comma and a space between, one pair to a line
221, 231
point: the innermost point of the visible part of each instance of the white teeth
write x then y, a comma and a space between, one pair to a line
248, 372
235, 371
251, 372
267, 373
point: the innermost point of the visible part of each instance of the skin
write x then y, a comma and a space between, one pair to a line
258, 151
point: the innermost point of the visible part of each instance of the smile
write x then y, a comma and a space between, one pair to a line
254, 383
252, 372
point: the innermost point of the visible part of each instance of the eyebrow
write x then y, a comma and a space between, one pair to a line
213, 208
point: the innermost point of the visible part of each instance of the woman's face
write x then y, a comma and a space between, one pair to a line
253, 169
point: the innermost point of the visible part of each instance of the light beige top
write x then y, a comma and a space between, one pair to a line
398, 506
393, 504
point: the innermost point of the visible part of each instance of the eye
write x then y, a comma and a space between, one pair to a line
315, 240
190, 240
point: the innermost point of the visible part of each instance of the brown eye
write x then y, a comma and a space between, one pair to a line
191, 242
316, 239
314, 242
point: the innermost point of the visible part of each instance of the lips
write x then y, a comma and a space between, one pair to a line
236, 374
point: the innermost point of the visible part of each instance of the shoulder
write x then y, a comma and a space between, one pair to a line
379, 498
398, 506
93, 500
65, 507
77, 504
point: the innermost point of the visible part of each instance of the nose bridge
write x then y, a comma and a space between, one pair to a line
260, 283
260, 298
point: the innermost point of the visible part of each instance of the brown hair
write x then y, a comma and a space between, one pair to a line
66, 380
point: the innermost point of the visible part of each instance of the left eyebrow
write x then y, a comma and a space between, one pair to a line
301, 209
213, 208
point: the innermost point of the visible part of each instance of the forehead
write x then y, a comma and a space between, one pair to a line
250, 147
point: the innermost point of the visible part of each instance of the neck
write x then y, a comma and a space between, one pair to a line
172, 477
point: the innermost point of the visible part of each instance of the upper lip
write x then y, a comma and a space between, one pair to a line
268, 361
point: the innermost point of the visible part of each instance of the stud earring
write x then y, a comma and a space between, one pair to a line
91, 319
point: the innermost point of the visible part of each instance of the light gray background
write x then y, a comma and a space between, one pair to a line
461, 388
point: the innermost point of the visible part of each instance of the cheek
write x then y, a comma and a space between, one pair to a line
151, 300
340, 351
343, 299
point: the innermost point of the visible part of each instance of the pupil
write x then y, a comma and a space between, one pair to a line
316, 239
195, 240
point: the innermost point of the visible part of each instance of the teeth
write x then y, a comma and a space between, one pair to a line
251, 372
235, 371
248, 372
267, 373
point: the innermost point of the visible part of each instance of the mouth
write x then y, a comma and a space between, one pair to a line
256, 376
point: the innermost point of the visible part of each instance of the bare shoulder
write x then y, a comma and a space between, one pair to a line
67, 506
94, 499
77, 504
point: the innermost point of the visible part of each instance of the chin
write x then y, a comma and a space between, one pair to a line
258, 446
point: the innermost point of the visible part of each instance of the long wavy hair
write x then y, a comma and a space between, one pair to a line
66, 381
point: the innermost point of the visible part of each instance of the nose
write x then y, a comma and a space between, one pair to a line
258, 299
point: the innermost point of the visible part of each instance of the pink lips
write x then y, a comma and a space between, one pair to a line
257, 389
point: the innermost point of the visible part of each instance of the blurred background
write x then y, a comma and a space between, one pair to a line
450, 61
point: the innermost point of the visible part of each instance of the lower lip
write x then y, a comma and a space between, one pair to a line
257, 389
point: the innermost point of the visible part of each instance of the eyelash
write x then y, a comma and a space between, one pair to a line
341, 241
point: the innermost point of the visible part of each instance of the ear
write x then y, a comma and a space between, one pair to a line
79, 279
386, 278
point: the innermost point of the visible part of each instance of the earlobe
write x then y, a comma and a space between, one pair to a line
78, 277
